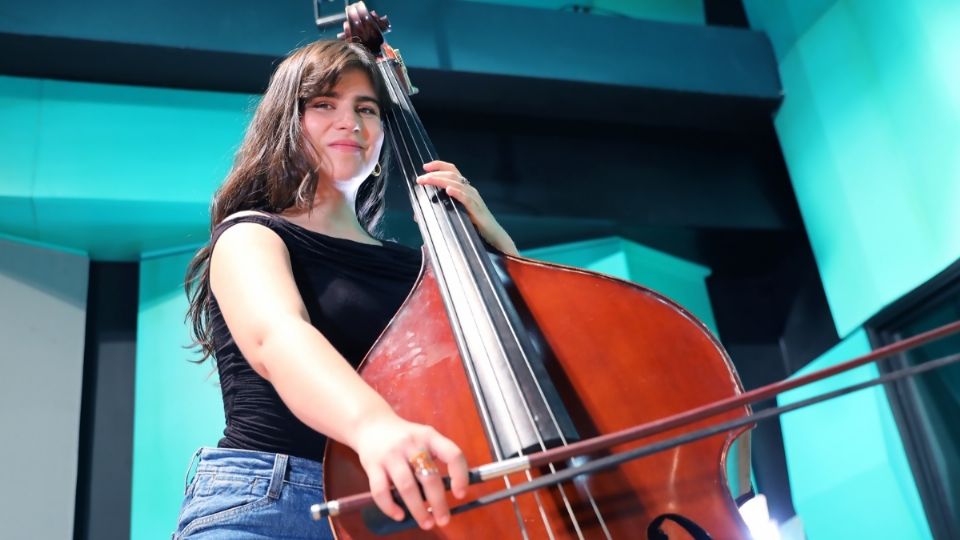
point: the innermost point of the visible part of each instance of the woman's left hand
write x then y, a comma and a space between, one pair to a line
445, 176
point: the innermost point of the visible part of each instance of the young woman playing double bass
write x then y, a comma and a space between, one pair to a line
292, 290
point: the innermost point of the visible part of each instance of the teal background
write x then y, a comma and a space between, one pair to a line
177, 404
114, 171
870, 130
849, 474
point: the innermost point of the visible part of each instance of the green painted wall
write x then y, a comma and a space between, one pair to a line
109, 170
177, 404
870, 129
849, 474
19, 131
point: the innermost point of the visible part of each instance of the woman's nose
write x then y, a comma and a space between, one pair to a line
348, 120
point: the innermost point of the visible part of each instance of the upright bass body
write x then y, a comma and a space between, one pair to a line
619, 355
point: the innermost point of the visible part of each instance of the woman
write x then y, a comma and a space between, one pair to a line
292, 290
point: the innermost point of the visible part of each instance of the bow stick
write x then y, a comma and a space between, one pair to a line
381, 523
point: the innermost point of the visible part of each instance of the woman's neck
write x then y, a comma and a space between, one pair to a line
333, 213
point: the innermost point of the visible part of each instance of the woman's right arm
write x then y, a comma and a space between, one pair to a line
251, 277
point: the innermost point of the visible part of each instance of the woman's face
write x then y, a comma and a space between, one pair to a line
344, 128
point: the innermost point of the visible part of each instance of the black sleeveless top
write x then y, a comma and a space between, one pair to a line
351, 291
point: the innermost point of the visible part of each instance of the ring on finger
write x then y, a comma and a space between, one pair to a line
423, 464
464, 181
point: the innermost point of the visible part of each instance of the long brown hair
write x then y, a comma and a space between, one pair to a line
272, 171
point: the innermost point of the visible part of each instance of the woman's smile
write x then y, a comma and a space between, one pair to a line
346, 145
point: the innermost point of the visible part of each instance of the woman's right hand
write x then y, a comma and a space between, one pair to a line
386, 447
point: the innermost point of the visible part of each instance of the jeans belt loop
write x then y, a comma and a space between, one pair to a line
279, 472
193, 462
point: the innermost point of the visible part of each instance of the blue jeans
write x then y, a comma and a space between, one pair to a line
242, 494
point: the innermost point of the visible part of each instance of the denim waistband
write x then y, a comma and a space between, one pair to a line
266, 464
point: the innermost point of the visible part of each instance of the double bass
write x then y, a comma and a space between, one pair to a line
508, 356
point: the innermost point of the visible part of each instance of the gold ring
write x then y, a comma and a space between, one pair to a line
423, 464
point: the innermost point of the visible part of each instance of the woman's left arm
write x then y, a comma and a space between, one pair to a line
445, 176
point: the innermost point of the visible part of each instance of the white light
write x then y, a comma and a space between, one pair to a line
758, 520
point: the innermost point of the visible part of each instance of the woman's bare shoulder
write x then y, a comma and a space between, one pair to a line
243, 213
229, 229
235, 238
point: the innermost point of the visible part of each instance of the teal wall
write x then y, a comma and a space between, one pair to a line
109, 170
870, 129
849, 474
178, 406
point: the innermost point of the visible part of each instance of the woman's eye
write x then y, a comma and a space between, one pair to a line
322, 105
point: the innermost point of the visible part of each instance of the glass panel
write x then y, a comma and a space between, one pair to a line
935, 396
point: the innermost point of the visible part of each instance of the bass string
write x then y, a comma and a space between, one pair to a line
410, 173
464, 224
409, 117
